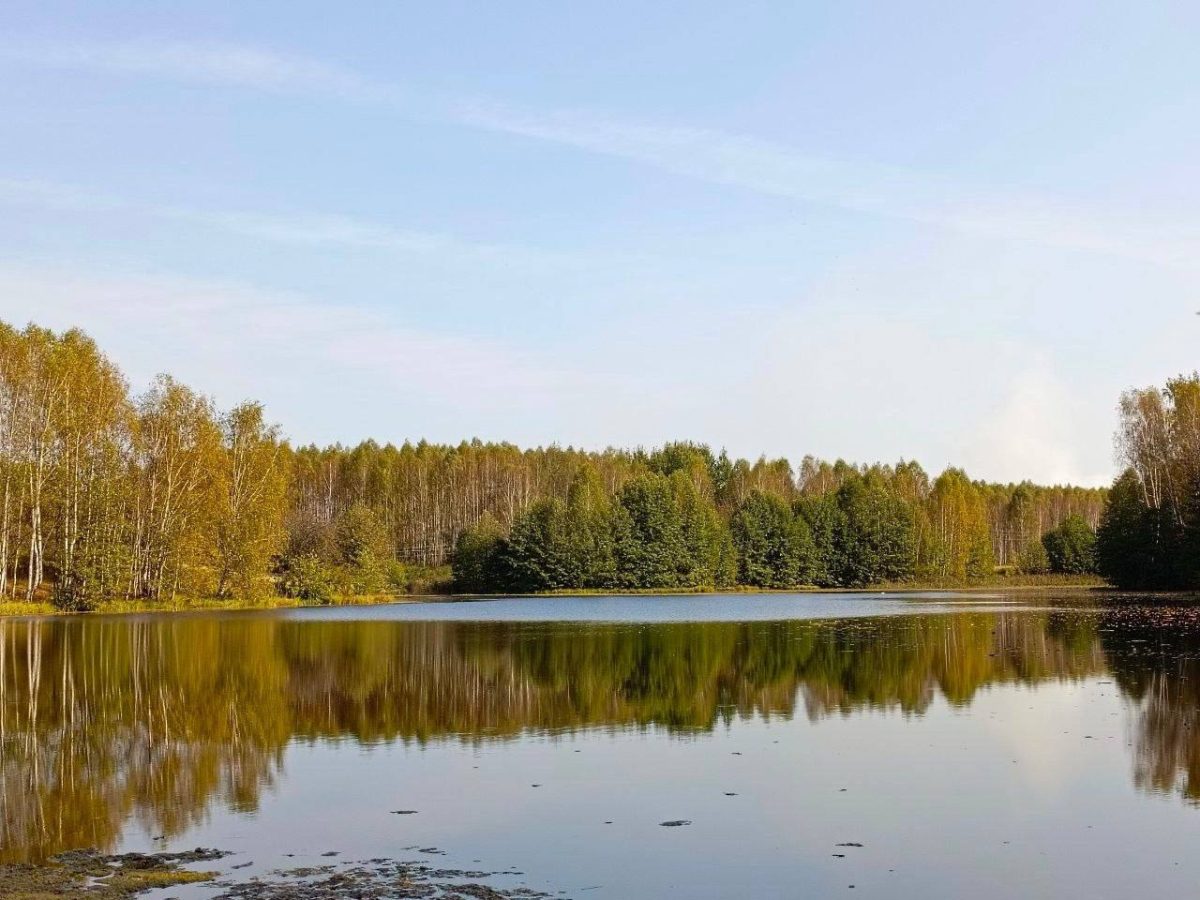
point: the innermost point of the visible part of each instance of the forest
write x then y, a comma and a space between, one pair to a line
110, 495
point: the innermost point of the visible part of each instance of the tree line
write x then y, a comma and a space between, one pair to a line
104, 494
675, 523
1149, 535
109, 494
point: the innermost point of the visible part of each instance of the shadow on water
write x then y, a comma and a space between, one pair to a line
106, 721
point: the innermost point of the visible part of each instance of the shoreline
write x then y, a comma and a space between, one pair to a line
88, 874
19, 609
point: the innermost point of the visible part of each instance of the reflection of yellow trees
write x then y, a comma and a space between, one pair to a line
104, 720
1167, 755
1158, 669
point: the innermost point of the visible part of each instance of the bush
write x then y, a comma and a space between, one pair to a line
306, 578
70, 594
1033, 560
1071, 547
369, 576
411, 578
362, 539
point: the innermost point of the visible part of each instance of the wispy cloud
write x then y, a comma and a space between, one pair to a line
292, 347
778, 170
709, 155
235, 65
313, 229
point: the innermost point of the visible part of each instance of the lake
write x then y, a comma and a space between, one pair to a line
918, 745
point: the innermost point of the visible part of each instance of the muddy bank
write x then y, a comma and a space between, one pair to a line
80, 874
86, 873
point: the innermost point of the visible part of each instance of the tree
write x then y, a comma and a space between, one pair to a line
106, 495
1127, 549
538, 555
1026, 526
648, 541
1071, 547
1148, 536
775, 546
590, 560
824, 519
250, 526
364, 547
362, 540
89, 463
178, 453
707, 558
478, 554
874, 538
959, 541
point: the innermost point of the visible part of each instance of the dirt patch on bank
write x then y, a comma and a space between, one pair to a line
89, 875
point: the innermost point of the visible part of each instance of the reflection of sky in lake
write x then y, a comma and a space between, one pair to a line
667, 608
994, 754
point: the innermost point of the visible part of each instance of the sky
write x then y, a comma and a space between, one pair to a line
937, 231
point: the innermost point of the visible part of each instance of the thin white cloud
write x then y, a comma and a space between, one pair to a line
234, 65
779, 170
712, 156
53, 195
255, 338
316, 229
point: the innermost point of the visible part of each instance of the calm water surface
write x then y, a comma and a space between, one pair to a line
986, 746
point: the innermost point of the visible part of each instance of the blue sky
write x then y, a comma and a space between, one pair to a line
949, 232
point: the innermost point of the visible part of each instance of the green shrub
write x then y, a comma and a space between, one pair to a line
306, 578
1071, 547
70, 594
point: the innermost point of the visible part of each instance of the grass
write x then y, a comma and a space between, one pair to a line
200, 604
407, 581
22, 608
90, 882
185, 604
137, 880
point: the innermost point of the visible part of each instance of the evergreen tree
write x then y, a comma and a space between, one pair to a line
538, 553
648, 541
707, 559
775, 546
874, 540
1127, 549
590, 561
824, 518
478, 558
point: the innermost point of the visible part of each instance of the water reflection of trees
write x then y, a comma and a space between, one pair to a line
1155, 660
107, 720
